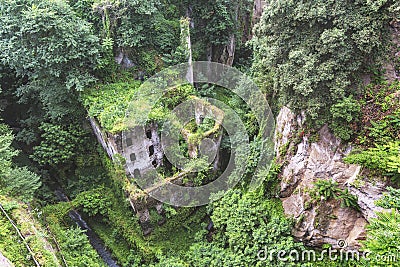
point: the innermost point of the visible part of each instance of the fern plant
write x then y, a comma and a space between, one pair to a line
325, 188
383, 237
348, 199
390, 199
382, 158
329, 189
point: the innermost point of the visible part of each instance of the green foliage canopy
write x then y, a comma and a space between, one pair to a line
58, 145
245, 223
55, 50
313, 50
383, 234
15, 181
108, 103
6, 151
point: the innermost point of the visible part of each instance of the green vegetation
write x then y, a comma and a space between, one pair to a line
390, 199
53, 66
379, 146
329, 189
345, 114
325, 188
22, 183
15, 181
348, 200
309, 55
245, 222
35, 236
109, 102
59, 145
383, 232
74, 246
64, 61
383, 158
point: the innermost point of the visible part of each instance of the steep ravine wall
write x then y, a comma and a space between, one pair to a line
324, 222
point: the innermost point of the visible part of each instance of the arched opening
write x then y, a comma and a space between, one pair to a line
148, 134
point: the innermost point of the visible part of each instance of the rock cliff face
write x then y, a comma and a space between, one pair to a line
306, 161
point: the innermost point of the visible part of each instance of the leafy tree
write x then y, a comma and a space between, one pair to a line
145, 32
55, 50
22, 183
135, 23
216, 23
19, 182
181, 53
6, 151
214, 20
58, 144
314, 50
85, 9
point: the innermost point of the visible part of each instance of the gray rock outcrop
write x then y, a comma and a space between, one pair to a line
325, 222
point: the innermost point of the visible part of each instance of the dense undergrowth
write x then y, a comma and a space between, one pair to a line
57, 67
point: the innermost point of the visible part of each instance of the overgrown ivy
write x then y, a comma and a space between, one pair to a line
309, 55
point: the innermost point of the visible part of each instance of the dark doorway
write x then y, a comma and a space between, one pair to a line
151, 150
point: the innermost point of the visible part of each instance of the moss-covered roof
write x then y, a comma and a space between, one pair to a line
109, 102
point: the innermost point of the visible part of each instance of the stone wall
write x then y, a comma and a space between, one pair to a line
141, 147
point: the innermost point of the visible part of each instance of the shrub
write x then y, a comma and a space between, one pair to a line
22, 183
383, 158
325, 188
390, 199
59, 144
344, 114
94, 202
348, 200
